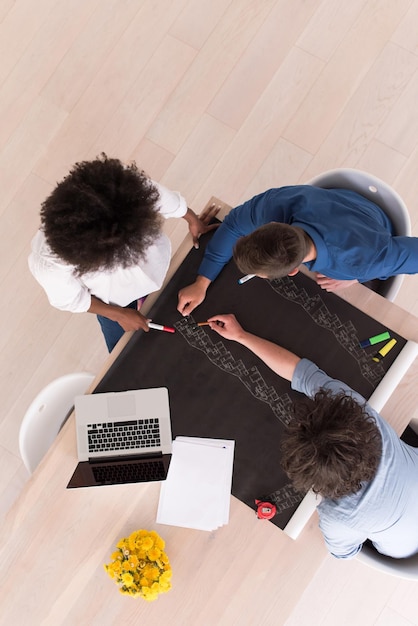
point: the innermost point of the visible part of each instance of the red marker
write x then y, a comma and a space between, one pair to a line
166, 329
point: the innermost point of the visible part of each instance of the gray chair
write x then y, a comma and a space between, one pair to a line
46, 415
381, 194
402, 568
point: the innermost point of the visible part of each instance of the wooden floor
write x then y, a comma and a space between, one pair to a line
210, 97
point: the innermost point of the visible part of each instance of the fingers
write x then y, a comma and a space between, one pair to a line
142, 323
223, 319
212, 227
217, 326
327, 286
216, 323
209, 213
332, 284
130, 319
191, 296
323, 281
185, 307
223, 324
182, 308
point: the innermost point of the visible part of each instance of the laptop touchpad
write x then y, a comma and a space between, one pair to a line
121, 406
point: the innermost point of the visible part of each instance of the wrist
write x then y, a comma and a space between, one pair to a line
114, 312
202, 282
190, 216
98, 307
244, 338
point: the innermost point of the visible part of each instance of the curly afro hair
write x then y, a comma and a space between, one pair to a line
101, 216
332, 445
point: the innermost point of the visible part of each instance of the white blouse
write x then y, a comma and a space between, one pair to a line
119, 286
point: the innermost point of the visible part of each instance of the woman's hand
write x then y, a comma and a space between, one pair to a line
200, 225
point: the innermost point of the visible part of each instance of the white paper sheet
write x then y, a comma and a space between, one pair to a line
197, 491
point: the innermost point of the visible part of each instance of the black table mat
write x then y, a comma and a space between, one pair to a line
219, 389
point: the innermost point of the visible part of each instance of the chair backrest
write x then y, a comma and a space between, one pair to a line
402, 568
381, 194
46, 415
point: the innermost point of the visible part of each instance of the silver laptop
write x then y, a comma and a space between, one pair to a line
122, 437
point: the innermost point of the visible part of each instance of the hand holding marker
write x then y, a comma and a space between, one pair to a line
208, 324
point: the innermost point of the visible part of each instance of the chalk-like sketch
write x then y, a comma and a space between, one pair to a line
284, 498
217, 353
344, 332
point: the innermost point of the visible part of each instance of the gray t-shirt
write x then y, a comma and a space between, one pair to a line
385, 510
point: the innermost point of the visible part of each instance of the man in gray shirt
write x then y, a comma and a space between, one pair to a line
340, 447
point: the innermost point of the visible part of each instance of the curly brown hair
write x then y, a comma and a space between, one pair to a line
102, 215
272, 250
332, 445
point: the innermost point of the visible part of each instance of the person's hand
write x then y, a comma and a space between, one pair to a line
191, 296
332, 284
227, 326
200, 225
130, 319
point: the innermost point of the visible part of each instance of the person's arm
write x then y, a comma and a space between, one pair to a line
240, 221
281, 361
191, 296
129, 319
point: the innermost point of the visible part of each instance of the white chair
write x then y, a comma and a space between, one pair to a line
402, 568
385, 197
47, 414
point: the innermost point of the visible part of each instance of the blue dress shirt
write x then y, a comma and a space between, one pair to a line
352, 235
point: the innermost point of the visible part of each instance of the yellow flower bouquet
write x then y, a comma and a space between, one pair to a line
139, 566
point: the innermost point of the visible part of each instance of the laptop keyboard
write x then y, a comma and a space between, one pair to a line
108, 437
130, 472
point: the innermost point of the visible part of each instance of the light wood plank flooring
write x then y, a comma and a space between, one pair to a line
210, 97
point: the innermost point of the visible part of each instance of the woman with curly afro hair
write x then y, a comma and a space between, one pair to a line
100, 248
338, 446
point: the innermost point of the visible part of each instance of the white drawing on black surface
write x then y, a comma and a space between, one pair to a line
285, 498
281, 405
344, 332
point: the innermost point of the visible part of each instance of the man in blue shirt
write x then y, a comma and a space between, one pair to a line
340, 235
340, 447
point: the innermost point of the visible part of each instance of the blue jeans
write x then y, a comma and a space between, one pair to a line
111, 330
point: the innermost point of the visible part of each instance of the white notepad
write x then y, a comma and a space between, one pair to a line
197, 491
